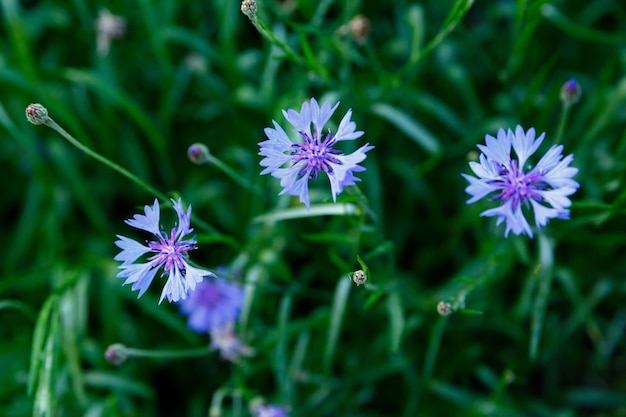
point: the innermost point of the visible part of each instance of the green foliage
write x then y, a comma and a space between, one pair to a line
536, 325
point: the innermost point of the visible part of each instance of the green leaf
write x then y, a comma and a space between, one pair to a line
396, 320
40, 336
406, 124
336, 321
546, 260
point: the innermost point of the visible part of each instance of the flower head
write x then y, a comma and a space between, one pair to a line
214, 303
198, 153
269, 410
248, 7
108, 27
169, 252
543, 188
224, 339
116, 354
570, 92
36, 114
295, 163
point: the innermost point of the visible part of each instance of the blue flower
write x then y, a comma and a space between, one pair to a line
169, 252
214, 303
544, 188
268, 410
295, 163
225, 340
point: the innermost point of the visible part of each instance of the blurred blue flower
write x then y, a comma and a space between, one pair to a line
225, 340
170, 253
544, 188
268, 410
214, 303
295, 163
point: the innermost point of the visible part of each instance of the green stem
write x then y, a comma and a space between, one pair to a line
561, 127
51, 123
269, 35
232, 174
431, 354
165, 354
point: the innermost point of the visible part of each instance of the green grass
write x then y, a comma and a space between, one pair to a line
539, 322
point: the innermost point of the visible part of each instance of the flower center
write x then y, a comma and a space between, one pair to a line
517, 185
315, 153
170, 252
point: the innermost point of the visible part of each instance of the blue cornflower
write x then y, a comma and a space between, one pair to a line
214, 303
269, 410
170, 253
544, 188
225, 340
294, 163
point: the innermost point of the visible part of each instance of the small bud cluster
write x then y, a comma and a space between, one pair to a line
116, 354
198, 153
444, 308
358, 28
36, 114
570, 92
359, 277
248, 7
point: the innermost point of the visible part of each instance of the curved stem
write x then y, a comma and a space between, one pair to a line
51, 123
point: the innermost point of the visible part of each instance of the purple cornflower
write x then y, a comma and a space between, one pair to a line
268, 410
295, 163
214, 303
544, 188
170, 253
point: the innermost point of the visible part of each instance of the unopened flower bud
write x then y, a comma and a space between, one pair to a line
570, 92
358, 28
444, 308
198, 153
116, 354
248, 7
36, 114
359, 277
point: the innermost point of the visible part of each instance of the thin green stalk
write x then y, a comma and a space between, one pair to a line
431, 355
561, 126
122, 352
150, 189
232, 174
37, 114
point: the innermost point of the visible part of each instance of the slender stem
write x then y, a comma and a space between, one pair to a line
231, 173
51, 123
269, 35
562, 121
166, 354
431, 354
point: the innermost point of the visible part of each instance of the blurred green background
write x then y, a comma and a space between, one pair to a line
542, 333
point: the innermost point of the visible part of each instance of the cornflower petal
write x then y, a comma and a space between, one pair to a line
140, 275
477, 188
148, 221
294, 163
544, 189
131, 250
301, 121
345, 131
525, 144
321, 116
